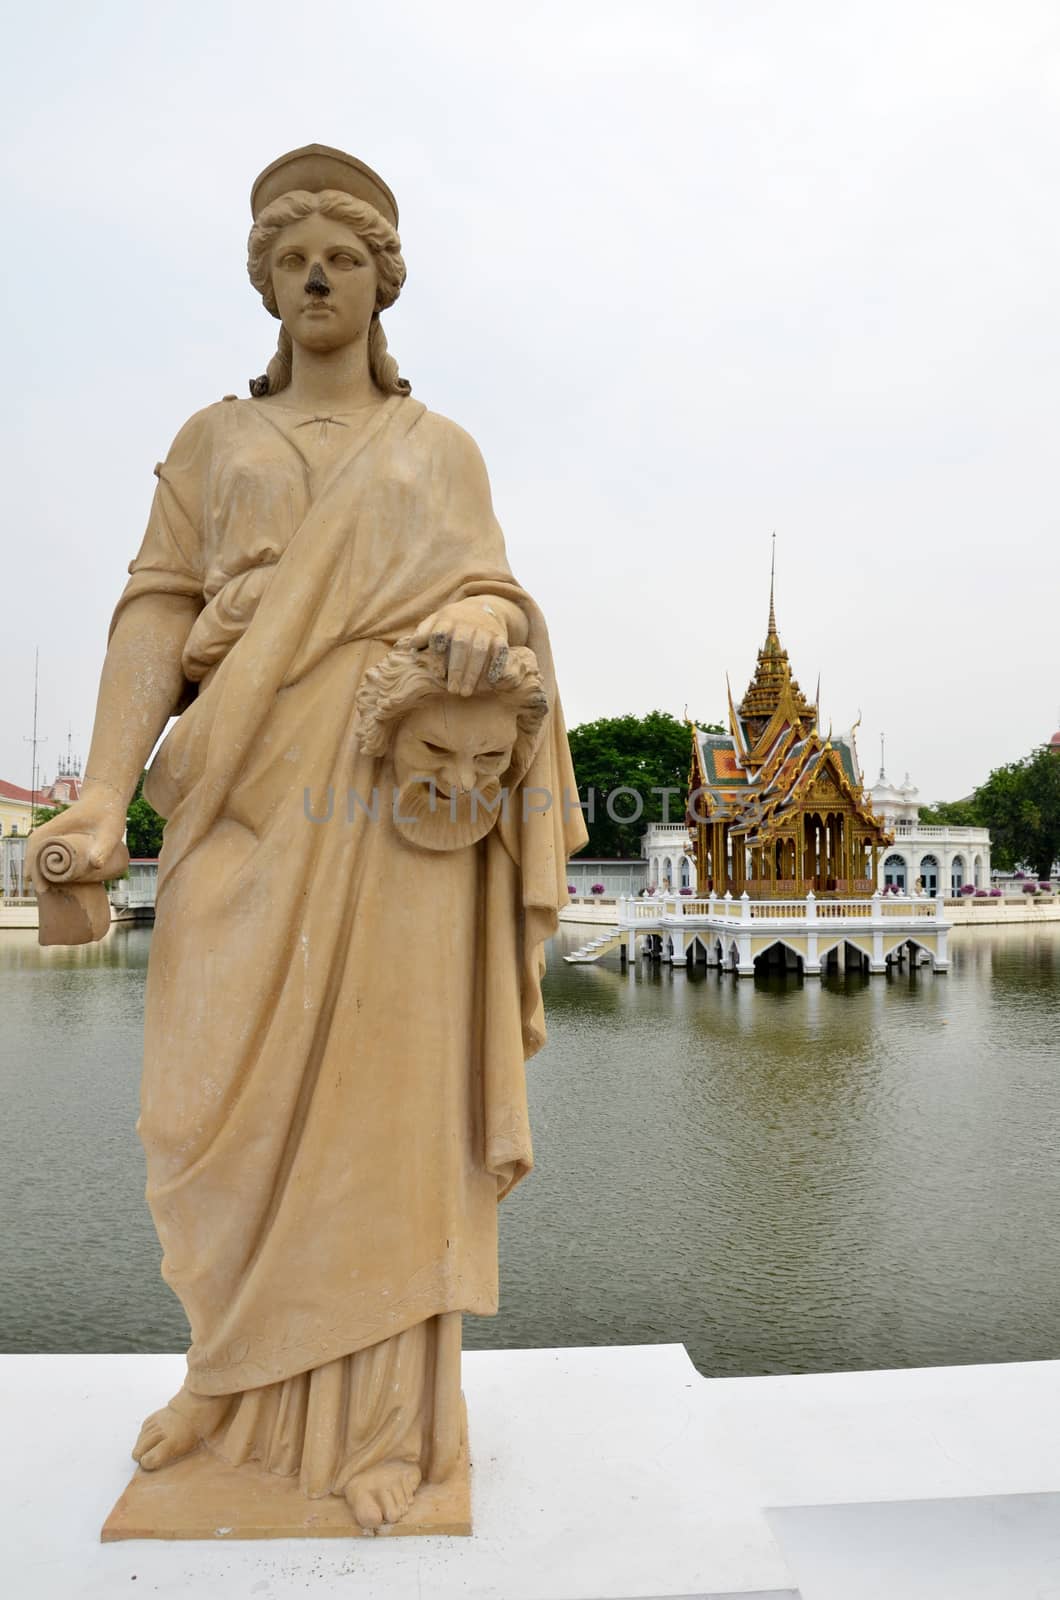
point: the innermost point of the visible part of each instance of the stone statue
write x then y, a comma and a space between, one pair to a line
368, 794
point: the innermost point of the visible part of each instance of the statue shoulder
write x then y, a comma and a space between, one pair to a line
194, 442
442, 435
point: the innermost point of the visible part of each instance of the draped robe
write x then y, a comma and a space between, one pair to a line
336, 1021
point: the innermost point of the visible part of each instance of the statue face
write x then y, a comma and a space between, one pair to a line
462, 743
324, 280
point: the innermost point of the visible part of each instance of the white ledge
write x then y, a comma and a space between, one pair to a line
598, 1474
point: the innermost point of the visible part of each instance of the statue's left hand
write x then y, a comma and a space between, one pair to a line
474, 634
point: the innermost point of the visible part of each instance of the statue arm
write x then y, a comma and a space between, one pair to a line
475, 631
140, 687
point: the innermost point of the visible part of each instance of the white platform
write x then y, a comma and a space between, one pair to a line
989, 1547
600, 1474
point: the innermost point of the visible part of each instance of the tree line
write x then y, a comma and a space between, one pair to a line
635, 770
620, 761
1020, 804
616, 757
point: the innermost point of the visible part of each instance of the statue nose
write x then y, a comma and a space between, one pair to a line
317, 282
458, 777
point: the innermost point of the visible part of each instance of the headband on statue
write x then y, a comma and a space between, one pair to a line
316, 167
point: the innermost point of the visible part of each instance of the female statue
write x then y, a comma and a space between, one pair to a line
338, 1012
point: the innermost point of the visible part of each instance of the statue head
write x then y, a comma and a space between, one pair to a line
325, 256
452, 757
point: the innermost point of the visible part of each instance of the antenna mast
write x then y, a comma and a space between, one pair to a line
34, 741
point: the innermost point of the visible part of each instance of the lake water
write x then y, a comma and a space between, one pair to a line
784, 1176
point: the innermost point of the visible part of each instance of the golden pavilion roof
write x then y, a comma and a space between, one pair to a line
773, 684
775, 759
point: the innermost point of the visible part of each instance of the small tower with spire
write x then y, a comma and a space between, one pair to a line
69, 765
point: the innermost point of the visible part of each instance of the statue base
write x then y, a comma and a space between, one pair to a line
202, 1497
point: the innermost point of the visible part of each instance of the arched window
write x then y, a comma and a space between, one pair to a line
929, 875
894, 873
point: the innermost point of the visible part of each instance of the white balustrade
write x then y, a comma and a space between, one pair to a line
778, 910
941, 831
666, 910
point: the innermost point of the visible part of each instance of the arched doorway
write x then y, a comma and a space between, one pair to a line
894, 873
929, 875
956, 874
686, 873
779, 957
978, 872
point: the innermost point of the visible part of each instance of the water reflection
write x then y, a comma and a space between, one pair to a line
785, 1175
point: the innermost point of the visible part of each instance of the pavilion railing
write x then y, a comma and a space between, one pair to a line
733, 910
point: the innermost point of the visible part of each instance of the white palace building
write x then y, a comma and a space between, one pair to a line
944, 859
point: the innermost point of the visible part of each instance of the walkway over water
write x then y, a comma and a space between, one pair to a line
719, 931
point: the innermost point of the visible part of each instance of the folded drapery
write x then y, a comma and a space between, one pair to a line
323, 1159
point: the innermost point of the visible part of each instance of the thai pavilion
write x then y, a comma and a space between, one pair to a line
787, 847
776, 807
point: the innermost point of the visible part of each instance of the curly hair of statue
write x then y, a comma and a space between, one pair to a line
407, 677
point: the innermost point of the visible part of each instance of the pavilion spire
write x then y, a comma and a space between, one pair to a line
772, 632
772, 683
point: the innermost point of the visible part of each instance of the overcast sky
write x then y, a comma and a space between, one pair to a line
687, 272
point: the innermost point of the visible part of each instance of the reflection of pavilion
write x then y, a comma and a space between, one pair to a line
776, 806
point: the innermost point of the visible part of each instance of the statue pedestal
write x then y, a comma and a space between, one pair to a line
202, 1497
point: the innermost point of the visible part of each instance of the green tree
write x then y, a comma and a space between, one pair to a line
631, 753
953, 814
45, 814
1020, 804
143, 826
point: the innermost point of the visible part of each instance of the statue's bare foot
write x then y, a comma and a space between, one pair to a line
164, 1437
384, 1493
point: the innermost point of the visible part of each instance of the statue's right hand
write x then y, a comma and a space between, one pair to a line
96, 821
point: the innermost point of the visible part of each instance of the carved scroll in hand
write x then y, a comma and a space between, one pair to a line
74, 908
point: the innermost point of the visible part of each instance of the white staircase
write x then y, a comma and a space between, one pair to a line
598, 947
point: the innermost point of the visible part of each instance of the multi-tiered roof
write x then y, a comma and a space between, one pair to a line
774, 768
